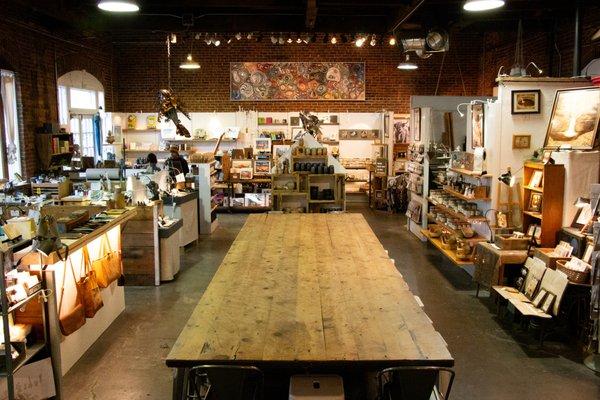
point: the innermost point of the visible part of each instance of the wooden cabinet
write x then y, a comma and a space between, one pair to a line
543, 191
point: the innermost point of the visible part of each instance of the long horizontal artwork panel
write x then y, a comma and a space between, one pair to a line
297, 81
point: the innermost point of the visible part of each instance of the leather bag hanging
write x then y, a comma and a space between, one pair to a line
88, 287
75, 318
108, 266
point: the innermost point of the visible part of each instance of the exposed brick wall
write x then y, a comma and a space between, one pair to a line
37, 56
142, 70
541, 48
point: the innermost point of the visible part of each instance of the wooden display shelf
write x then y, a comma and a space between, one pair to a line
141, 130
330, 142
455, 214
475, 239
448, 253
310, 157
534, 214
467, 172
535, 189
462, 196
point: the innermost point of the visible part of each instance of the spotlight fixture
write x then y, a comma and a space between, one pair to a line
508, 178
392, 40
189, 63
373, 41
333, 39
217, 41
539, 70
229, 39
249, 36
289, 39
281, 39
482, 5
407, 65
173, 38
119, 6
207, 39
238, 36
360, 41
298, 40
274, 39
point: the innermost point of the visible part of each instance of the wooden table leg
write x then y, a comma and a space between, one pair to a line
179, 375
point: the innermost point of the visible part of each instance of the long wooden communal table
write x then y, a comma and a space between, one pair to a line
308, 290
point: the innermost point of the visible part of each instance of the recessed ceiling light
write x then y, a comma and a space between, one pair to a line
118, 5
407, 65
189, 63
482, 5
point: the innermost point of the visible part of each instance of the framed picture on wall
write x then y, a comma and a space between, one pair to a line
525, 101
477, 125
521, 141
535, 202
574, 120
415, 116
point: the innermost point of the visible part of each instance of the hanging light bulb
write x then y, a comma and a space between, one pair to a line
482, 5
407, 65
119, 5
189, 63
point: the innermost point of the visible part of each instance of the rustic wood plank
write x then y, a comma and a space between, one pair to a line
308, 288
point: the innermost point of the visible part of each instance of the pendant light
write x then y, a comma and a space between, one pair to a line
407, 65
482, 5
189, 62
120, 6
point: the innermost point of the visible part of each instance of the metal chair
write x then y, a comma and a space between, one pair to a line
413, 383
223, 382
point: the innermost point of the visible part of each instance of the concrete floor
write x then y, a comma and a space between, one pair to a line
127, 362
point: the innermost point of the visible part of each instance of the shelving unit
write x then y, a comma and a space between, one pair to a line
11, 367
552, 192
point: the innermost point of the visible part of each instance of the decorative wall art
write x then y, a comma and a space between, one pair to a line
401, 128
359, 134
415, 117
292, 81
574, 120
477, 126
521, 141
525, 102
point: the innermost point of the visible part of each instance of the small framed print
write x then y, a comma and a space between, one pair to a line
536, 179
416, 123
547, 304
531, 230
477, 125
501, 220
582, 217
547, 157
525, 102
521, 141
262, 167
587, 254
246, 173
539, 298
535, 202
530, 287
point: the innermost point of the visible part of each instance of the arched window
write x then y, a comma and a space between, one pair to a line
80, 101
10, 156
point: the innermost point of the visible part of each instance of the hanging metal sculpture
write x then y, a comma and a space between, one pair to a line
311, 124
168, 108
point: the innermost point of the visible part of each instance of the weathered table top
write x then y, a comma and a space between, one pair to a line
308, 288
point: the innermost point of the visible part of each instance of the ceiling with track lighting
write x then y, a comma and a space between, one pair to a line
406, 18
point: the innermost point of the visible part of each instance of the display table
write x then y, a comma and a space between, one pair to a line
490, 263
308, 291
170, 258
184, 207
67, 350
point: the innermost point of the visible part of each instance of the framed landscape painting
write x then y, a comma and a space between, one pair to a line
574, 120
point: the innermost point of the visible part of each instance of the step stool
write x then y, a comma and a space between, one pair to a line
316, 387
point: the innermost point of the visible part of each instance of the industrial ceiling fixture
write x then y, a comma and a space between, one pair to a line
189, 62
482, 5
120, 6
436, 41
407, 65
